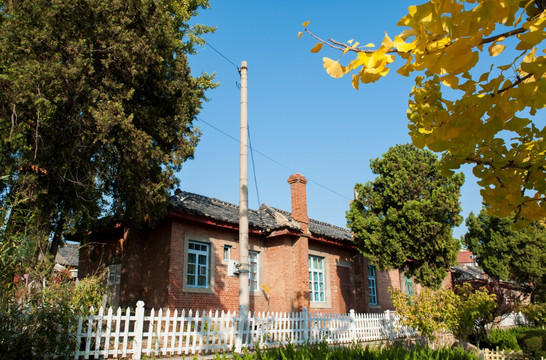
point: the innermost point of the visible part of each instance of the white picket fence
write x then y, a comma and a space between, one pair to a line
164, 333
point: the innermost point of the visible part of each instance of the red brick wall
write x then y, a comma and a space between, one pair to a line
155, 256
342, 276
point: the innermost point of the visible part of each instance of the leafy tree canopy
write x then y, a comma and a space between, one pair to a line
404, 218
509, 254
96, 102
469, 103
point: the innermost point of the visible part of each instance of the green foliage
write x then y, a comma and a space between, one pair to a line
404, 218
504, 339
535, 313
434, 311
96, 102
323, 352
509, 254
533, 343
39, 322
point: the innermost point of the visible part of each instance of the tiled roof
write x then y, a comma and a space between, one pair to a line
68, 255
266, 218
464, 257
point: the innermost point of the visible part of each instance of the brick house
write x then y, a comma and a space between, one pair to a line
187, 260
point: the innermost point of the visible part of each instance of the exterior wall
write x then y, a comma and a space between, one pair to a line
96, 255
278, 275
341, 275
155, 258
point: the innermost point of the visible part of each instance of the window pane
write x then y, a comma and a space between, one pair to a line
191, 269
191, 280
191, 258
202, 280
202, 260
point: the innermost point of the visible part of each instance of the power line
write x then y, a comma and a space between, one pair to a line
253, 166
273, 160
217, 51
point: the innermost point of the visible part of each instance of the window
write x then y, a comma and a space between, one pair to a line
409, 285
372, 285
114, 274
227, 252
197, 274
253, 275
316, 278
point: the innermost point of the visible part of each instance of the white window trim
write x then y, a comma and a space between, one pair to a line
257, 253
327, 303
211, 265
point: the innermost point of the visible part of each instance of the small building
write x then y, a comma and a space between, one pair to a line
466, 258
67, 260
188, 260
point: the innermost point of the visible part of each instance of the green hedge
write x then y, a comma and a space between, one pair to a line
533, 343
323, 352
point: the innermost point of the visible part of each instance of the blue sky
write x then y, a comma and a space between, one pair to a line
299, 118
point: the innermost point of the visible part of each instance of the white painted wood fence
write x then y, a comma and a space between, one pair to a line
112, 334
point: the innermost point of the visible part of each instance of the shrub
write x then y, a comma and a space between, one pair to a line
533, 343
458, 312
504, 339
323, 352
535, 313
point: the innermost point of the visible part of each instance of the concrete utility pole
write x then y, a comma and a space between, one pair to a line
243, 197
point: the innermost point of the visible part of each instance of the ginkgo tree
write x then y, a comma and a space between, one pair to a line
468, 103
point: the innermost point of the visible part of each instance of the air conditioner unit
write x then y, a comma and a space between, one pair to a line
233, 268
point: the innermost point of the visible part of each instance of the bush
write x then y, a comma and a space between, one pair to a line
504, 339
535, 313
533, 343
323, 352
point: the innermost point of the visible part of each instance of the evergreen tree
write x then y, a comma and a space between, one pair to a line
96, 108
404, 218
509, 254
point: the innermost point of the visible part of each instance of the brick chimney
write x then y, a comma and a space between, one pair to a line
299, 201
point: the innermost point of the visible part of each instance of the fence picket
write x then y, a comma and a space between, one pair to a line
166, 333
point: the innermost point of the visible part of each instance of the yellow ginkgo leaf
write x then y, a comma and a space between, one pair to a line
368, 45
402, 46
299, 34
496, 49
317, 47
333, 68
305, 23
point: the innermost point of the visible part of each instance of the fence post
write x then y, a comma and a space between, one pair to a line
352, 325
242, 318
305, 327
390, 324
139, 327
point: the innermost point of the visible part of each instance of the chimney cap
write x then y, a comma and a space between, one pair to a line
297, 178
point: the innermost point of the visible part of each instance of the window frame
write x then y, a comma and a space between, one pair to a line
317, 279
257, 272
410, 289
372, 285
210, 264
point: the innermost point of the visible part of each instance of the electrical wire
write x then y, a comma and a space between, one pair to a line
274, 161
252, 150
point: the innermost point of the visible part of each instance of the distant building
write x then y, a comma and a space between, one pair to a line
465, 257
67, 259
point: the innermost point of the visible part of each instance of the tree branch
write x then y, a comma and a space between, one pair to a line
506, 34
510, 165
516, 83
